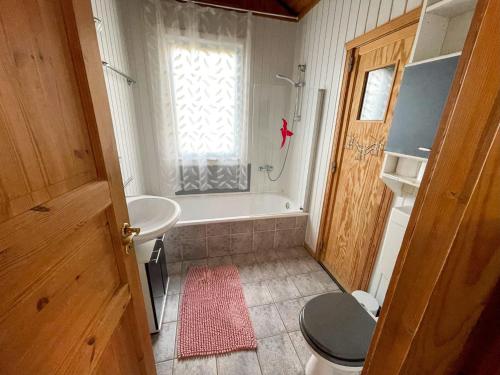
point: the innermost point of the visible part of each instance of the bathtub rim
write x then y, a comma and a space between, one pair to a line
271, 215
229, 219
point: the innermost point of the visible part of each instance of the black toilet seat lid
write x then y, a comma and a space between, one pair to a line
337, 325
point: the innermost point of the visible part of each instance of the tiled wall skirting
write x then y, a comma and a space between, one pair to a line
212, 240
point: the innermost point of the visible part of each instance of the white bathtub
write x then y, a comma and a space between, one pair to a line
214, 208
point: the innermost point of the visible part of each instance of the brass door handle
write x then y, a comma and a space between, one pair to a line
128, 234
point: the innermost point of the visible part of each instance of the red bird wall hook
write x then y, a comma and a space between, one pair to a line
285, 132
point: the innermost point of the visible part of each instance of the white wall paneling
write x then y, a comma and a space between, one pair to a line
273, 44
373, 12
113, 50
412, 4
321, 39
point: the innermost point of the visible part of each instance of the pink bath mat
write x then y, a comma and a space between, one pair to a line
214, 317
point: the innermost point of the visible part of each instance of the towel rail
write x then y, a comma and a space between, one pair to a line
129, 79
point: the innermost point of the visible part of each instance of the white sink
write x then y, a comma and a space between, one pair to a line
154, 215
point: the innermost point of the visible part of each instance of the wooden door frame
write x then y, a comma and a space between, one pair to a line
81, 33
438, 314
339, 138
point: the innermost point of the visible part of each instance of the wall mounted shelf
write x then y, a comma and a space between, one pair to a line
402, 172
441, 34
451, 8
432, 59
402, 179
442, 29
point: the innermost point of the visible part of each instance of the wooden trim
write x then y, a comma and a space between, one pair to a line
396, 24
408, 31
345, 94
81, 32
287, 7
377, 238
307, 8
449, 263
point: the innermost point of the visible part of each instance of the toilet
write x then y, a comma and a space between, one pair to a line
338, 330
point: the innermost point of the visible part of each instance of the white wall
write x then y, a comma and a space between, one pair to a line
321, 39
121, 96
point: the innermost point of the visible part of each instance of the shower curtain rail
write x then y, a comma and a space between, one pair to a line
241, 9
129, 79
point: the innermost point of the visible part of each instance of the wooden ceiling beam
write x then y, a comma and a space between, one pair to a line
307, 7
285, 4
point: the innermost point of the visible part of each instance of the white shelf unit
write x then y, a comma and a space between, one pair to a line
441, 33
450, 8
442, 28
434, 59
402, 172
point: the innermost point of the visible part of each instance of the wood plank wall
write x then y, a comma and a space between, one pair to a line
113, 49
320, 44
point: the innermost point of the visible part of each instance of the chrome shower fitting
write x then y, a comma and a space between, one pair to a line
289, 80
296, 116
266, 168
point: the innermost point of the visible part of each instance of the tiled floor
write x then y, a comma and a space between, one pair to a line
276, 285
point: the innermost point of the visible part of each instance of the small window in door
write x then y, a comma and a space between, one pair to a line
377, 91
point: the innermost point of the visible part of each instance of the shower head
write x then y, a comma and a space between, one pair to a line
289, 80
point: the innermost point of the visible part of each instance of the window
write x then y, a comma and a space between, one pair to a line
208, 98
378, 85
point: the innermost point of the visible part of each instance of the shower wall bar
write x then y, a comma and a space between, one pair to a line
314, 148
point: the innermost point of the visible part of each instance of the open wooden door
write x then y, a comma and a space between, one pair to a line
70, 296
441, 311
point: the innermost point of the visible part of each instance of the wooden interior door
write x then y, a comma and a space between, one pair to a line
359, 199
70, 296
440, 314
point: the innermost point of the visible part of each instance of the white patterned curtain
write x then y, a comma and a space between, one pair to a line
200, 59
